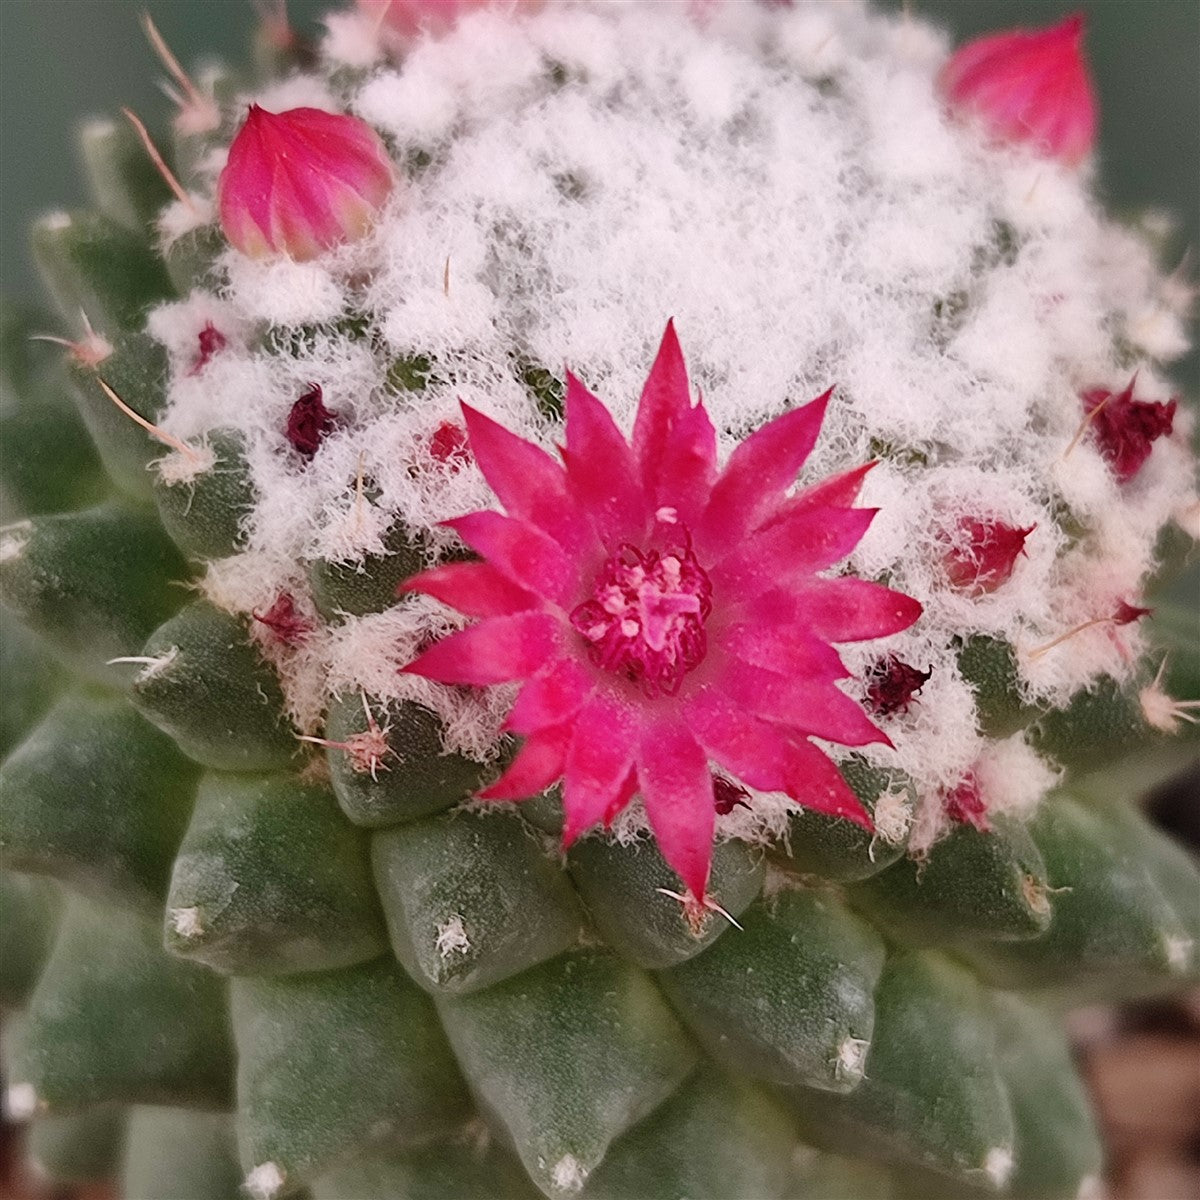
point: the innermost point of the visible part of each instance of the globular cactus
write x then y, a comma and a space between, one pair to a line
302, 896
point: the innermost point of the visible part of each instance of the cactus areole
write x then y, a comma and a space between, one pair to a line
453, 746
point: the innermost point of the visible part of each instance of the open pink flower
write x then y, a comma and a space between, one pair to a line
1030, 86
300, 182
662, 614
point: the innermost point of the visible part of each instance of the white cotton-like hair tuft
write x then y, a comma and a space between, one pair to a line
785, 183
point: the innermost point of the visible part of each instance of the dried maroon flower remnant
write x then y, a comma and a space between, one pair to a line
964, 805
309, 422
893, 685
727, 795
449, 445
211, 341
660, 613
1126, 613
1029, 86
1126, 429
287, 626
983, 555
300, 182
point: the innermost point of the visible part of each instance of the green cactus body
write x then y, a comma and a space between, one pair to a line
260, 933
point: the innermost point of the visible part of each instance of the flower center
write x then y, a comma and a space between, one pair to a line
645, 619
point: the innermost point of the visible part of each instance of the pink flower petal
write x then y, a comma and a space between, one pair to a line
789, 648
551, 697
798, 545
476, 589
537, 764
688, 467
530, 558
601, 470
528, 482
838, 491
674, 442
810, 705
598, 764
767, 758
678, 790
759, 471
838, 610
498, 650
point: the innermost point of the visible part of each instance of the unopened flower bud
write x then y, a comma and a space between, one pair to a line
300, 182
1030, 86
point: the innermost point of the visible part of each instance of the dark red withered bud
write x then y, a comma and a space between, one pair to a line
727, 795
286, 624
212, 341
965, 805
310, 422
893, 685
984, 555
1125, 429
1127, 613
449, 445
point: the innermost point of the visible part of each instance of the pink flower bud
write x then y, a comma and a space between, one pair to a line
408, 18
983, 555
300, 182
1030, 86
449, 446
1124, 428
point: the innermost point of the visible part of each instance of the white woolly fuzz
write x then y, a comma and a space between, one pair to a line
786, 184
13, 540
265, 1181
452, 937
1012, 778
20, 1101
569, 1174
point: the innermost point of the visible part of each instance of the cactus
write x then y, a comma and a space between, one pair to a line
301, 898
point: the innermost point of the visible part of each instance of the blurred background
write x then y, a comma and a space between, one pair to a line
64, 60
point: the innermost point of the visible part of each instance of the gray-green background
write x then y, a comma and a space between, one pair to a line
61, 60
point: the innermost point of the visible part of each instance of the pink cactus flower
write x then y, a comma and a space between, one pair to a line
661, 613
1030, 86
1125, 429
300, 182
409, 18
983, 555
